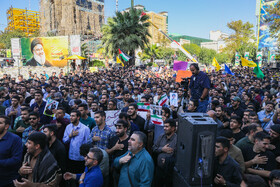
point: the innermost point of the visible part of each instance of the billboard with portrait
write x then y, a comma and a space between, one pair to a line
45, 51
265, 39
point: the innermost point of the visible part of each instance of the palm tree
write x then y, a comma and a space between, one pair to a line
127, 31
152, 52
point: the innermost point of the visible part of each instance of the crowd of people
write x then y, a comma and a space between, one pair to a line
77, 146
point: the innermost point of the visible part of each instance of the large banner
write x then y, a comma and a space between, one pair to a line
259, 58
45, 51
264, 36
15, 47
237, 59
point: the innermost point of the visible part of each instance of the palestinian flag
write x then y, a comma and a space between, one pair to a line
124, 56
157, 120
162, 100
144, 107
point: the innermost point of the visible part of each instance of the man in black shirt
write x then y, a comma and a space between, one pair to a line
164, 148
227, 172
138, 120
275, 140
55, 146
259, 160
235, 125
118, 145
236, 109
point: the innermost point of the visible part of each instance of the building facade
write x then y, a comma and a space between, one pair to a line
24, 20
71, 17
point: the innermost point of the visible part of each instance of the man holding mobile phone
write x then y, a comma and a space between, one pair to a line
226, 172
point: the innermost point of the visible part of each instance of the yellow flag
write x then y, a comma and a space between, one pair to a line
119, 61
206, 69
216, 64
248, 63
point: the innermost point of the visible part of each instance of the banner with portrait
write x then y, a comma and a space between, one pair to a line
259, 58
45, 51
237, 59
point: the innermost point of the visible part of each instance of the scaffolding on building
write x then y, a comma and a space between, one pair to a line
24, 20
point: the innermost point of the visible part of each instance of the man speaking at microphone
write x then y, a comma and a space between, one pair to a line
199, 86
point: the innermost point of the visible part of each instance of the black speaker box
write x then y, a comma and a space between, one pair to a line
196, 135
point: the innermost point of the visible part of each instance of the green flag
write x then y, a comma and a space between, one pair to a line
258, 72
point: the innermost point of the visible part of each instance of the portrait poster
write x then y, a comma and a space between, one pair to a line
174, 99
45, 51
259, 58
50, 106
237, 59
156, 109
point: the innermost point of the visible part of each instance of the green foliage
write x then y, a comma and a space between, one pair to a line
97, 63
150, 64
242, 40
222, 58
206, 55
192, 49
152, 52
5, 37
35, 34
127, 31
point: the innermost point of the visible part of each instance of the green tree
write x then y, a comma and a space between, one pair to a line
152, 52
222, 58
241, 40
128, 31
206, 55
274, 20
193, 49
5, 37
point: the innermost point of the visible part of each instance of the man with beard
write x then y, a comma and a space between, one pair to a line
199, 87
10, 154
61, 122
39, 57
137, 166
236, 109
112, 104
92, 175
165, 149
75, 135
259, 160
35, 125
39, 106
14, 110
134, 117
220, 113
22, 124
104, 102
85, 119
266, 115
235, 125
101, 133
275, 141
39, 166
55, 146
227, 172
94, 106
118, 145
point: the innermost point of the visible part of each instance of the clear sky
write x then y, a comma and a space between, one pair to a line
189, 17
